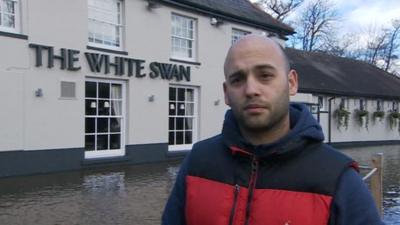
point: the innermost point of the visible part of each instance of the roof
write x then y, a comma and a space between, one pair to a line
240, 11
326, 74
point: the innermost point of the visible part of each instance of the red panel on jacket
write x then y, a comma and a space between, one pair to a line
211, 202
289, 207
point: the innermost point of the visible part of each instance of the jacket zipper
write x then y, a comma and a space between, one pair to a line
252, 185
235, 200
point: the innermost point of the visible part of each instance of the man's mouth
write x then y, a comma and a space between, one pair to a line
254, 108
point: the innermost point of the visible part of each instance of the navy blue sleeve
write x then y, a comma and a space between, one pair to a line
353, 203
174, 212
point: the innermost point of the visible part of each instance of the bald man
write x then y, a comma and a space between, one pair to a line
269, 165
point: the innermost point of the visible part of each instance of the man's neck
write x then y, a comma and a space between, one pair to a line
259, 137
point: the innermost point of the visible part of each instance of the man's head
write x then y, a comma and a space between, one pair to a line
258, 82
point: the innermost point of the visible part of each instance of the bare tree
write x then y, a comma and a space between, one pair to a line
279, 9
382, 47
316, 25
393, 45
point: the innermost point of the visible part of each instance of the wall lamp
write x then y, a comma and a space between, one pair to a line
215, 21
39, 92
151, 98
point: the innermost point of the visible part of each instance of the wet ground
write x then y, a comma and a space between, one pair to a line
131, 194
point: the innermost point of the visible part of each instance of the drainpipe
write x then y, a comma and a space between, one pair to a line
330, 118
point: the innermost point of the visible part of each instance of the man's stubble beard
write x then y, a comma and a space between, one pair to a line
274, 117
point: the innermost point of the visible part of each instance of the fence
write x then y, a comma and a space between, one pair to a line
375, 176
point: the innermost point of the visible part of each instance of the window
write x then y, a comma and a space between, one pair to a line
183, 37
321, 103
9, 15
104, 118
237, 34
182, 117
379, 105
363, 104
105, 23
395, 106
342, 104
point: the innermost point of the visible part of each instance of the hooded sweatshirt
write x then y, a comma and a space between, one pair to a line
294, 180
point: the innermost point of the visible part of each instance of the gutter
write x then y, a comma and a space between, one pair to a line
229, 17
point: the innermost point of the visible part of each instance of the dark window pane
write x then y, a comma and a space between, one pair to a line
171, 125
115, 141
102, 125
181, 109
172, 94
90, 125
90, 89
179, 138
172, 109
89, 142
104, 90
179, 123
171, 138
181, 94
104, 107
188, 123
90, 107
115, 125
188, 137
102, 142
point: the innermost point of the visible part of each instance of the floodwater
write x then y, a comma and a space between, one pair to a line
131, 194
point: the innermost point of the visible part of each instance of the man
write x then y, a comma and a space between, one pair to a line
269, 165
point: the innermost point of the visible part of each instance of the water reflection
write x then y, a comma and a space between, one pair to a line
131, 194
391, 177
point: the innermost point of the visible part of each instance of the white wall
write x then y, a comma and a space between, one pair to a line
49, 122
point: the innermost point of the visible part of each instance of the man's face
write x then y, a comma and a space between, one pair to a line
258, 85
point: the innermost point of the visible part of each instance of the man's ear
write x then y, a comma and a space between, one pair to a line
225, 94
293, 82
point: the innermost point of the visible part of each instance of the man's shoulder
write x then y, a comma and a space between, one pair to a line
334, 153
211, 141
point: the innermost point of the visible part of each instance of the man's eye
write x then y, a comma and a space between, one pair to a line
266, 76
235, 80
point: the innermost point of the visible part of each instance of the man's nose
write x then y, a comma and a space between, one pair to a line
252, 86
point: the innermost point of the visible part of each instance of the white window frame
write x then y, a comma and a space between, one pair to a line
96, 22
237, 34
17, 17
114, 152
180, 147
321, 103
193, 39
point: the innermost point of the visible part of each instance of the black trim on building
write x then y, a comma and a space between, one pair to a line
14, 35
15, 163
107, 50
20, 162
364, 143
184, 61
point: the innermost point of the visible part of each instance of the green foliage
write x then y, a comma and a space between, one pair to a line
363, 115
343, 117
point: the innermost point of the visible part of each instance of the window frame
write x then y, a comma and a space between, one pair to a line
195, 117
380, 106
121, 28
233, 36
17, 17
363, 104
193, 39
109, 152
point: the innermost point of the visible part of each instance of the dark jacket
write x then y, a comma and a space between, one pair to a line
295, 180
